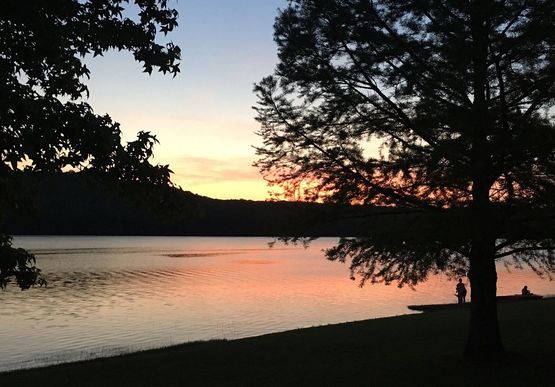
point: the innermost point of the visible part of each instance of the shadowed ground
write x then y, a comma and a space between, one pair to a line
416, 350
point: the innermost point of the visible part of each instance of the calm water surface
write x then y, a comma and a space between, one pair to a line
110, 295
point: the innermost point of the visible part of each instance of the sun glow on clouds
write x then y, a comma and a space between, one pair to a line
229, 178
209, 156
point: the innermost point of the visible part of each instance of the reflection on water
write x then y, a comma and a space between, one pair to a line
109, 295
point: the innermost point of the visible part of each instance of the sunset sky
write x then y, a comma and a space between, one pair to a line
203, 117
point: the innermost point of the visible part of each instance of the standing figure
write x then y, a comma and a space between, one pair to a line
460, 292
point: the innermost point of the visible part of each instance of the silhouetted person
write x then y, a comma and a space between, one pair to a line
460, 292
525, 291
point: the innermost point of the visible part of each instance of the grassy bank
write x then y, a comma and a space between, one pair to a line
415, 350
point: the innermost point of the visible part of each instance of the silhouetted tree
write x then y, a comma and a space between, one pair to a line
459, 93
45, 124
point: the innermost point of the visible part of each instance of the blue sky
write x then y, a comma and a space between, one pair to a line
203, 117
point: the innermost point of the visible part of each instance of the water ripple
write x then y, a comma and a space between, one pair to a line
110, 295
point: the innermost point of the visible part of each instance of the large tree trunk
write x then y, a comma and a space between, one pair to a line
484, 340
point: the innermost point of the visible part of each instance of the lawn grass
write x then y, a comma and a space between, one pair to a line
412, 350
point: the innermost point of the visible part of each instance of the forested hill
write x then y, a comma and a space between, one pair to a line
72, 204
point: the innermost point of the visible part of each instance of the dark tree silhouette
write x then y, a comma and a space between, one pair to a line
459, 95
45, 124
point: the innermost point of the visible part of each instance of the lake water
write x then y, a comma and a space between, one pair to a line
110, 295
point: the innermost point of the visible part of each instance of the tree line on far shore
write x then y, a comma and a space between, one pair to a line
88, 204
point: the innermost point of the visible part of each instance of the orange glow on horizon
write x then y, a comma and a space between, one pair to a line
227, 189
